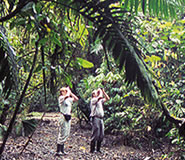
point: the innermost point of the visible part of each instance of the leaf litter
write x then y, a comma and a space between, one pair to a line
43, 145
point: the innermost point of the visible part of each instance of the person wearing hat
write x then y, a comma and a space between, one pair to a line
96, 117
65, 101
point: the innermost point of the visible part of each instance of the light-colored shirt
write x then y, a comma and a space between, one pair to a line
65, 106
97, 107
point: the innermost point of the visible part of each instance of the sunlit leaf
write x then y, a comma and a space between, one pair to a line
155, 58
178, 101
84, 63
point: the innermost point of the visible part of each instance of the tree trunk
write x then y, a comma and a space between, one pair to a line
180, 123
19, 101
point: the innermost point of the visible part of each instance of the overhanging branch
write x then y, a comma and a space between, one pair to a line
20, 5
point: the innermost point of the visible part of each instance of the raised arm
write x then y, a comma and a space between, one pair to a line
100, 94
75, 98
105, 95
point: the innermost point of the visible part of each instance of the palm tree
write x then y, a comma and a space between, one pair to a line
115, 29
113, 23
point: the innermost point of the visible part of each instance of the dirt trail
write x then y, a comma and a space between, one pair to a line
43, 145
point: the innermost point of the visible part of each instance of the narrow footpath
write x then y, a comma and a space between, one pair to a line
43, 145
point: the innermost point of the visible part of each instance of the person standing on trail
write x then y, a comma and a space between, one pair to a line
96, 117
65, 101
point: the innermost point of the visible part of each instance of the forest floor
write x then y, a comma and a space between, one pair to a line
43, 145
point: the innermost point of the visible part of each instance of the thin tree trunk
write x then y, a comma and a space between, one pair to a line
20, 100
43, 72
179, 123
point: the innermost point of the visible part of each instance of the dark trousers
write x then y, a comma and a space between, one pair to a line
97, 133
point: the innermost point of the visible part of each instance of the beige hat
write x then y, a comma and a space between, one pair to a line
94, 92
63, 89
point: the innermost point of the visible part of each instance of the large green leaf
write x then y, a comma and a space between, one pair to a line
84, 63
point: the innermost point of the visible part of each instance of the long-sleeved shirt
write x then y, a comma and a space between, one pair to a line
65, 105
97, 107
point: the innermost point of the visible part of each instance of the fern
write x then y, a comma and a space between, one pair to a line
29, 126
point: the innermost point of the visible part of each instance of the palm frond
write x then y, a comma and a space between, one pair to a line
8, 65
29, 126
162, 8
115, 30
114, 27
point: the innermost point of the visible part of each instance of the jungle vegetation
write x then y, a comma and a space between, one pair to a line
134, 49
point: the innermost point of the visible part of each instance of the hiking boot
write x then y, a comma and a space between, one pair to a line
99, 146
92, 147
59, 153
62, 149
